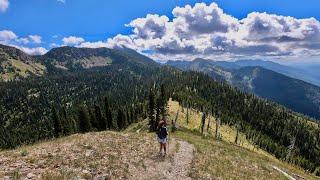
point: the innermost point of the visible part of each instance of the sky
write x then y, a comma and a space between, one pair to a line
167, 29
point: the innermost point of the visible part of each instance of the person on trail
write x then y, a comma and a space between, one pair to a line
162, 134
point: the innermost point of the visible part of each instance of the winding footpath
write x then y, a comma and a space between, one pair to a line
176, 165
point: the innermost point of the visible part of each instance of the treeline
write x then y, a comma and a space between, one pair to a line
94, 118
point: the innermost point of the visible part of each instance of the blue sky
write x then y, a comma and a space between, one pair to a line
98, 20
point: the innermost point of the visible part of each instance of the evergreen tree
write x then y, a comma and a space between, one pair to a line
67, 124
158, 111
163, 101
84, 120
56, 122
120, 119
109, 121
151, 110
102, 125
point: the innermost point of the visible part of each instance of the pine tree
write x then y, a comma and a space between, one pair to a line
101, 120
65, 125
108, 113
129, 121
158, 111
56, 122
84, 120
6, 140
66, 122
151, 110
120, 119
93, 119
163, 101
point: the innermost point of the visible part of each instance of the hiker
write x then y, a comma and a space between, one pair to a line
162, 133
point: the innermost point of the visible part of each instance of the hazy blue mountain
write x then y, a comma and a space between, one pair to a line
305, 73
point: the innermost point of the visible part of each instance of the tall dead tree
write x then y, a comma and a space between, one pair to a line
237, 136
188, 113
203, 121
217, 127
208, 126
290, 148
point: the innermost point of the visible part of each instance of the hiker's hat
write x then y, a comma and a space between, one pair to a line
161, 123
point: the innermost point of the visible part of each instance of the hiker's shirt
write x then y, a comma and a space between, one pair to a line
162, 134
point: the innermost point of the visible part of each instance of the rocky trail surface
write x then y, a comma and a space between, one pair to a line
176, 165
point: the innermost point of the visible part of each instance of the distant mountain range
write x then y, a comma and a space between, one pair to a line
263, 78
255, 76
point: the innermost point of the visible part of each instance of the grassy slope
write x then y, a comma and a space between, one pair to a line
104, 154
223, 159
21, 69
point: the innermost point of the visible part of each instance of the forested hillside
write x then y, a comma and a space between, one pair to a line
293, 93
132, 88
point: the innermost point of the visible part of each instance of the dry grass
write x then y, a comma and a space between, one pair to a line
98, 155
227, 133
21, 69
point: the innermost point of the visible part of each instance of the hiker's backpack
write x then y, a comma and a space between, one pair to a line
162, 132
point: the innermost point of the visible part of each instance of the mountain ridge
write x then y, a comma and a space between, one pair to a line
293, 93
73, 58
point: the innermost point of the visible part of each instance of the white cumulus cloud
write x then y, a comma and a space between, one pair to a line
9, 38
4, 4
207, 31
7, 35
33, 51
72, 40
35, 39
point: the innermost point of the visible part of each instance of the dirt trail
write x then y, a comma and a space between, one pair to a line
175, 166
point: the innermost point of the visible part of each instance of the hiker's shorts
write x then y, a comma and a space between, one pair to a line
162, 141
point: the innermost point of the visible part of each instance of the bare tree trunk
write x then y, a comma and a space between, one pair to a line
177, 115
208, 127
203, 121
237, 136
217, 128
182, 107
187, 113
